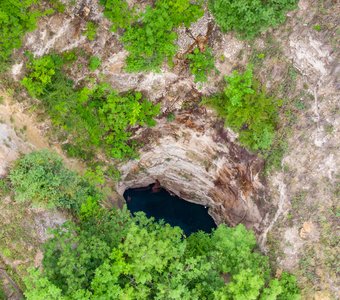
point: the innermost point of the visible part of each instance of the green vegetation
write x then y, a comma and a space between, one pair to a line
92, 118
57, 5
245, 108
16, 18
94, 63
41, 72
119, 13
40, 177
201, 64
4, 187
170, 117
151, 41
317, 27
2, 292
91, 30
150, 36
250, 17
70, 57
274, 156
110, 255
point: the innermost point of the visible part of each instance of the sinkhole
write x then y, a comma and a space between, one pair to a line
157, 202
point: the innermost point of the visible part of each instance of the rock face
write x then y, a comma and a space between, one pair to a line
193, 157
197, 160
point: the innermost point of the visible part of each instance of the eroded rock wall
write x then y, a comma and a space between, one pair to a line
197, 160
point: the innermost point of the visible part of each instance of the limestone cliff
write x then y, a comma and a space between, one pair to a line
195, 158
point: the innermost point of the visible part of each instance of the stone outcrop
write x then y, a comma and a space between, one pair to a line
196, 159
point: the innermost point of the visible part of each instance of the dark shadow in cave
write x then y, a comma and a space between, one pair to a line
157, 202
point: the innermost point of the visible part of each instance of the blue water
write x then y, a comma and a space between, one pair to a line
172, 209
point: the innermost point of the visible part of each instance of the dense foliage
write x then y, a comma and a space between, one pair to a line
41, 177
153, 41
94, 63
149, 36
250, 17
119, 13
246, 109
111, 255
201, 64
93, 118
91, 30
16, 18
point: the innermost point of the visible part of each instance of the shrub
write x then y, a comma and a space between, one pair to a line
41, 71
91, 30
250, 17
94, 63
135, 258
16, 18
57, 5
70, 57
41, 177
152, 41
201, 64
4, 187
96, 118
119, 13
246, 109
149, 36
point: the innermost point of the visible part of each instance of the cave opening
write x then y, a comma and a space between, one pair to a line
157, 202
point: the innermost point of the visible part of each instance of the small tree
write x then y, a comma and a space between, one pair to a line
41, 177
247, 109
201, 64
250, 17
114, 256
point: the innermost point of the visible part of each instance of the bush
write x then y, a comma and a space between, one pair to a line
16, 18
246, 109
201, 64
119, 13
94, 63
149, 36
41, 72
41, 177
57, 5
4, 187
91, 30
96, 118
250, 17
2, 292
136, 258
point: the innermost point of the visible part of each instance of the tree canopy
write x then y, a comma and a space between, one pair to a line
111, 255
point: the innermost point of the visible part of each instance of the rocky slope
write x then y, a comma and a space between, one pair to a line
295, 210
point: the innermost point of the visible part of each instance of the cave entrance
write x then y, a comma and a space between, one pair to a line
157, 202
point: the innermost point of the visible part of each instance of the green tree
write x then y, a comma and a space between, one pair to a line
91, 30
111, 255
42, 72
94, 63
91, 118
246, 108
119, 13
16, 18
41, 177
149, 36
250, 17
201, 64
